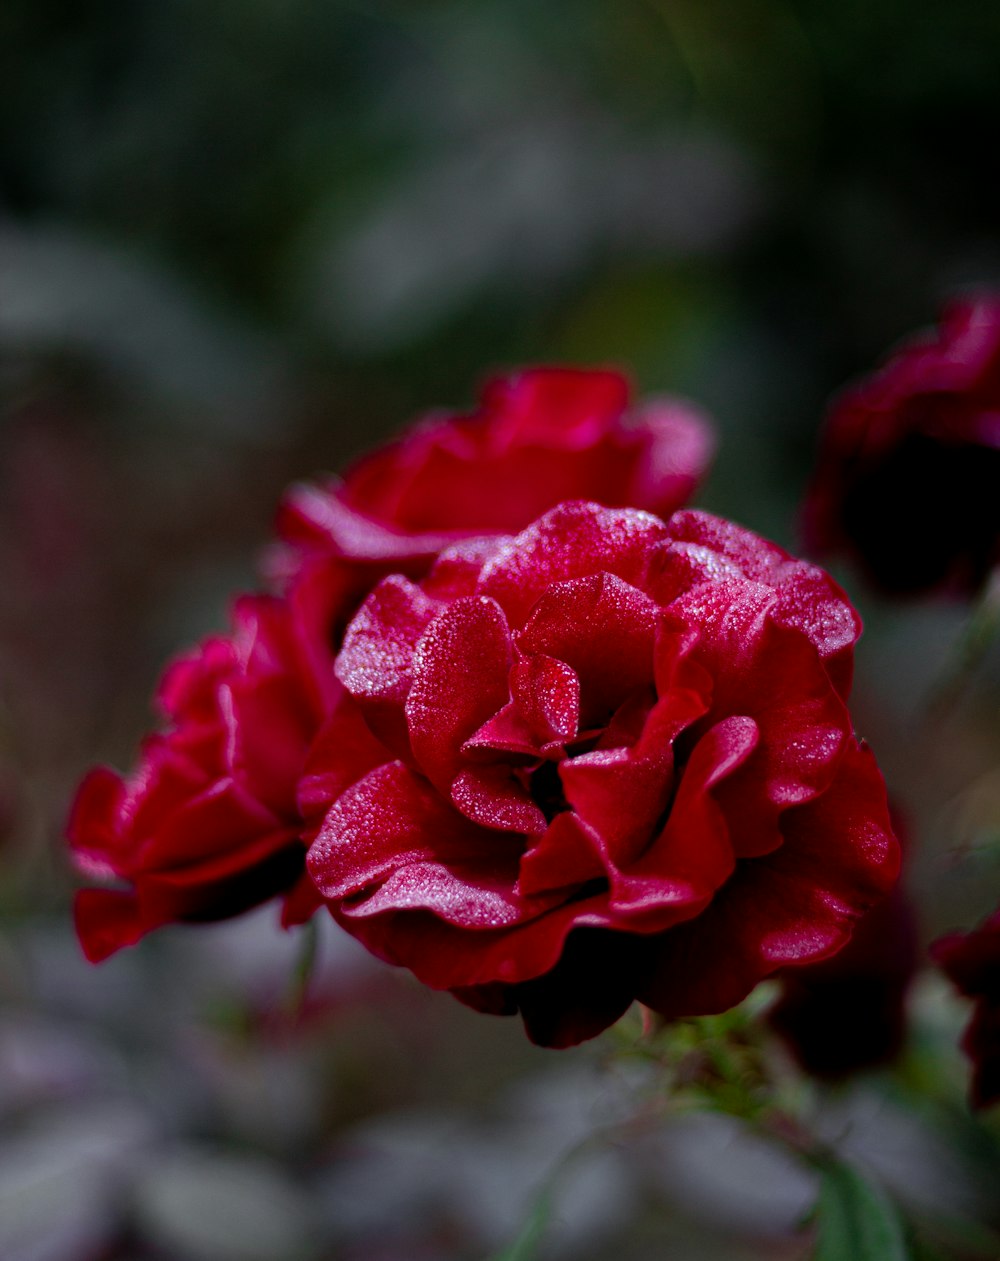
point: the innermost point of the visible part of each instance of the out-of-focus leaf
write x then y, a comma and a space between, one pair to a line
856, 1221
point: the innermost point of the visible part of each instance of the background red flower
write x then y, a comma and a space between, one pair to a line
971, 961
207, 825
908, 476
537, 437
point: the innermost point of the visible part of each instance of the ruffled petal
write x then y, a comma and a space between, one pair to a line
677, 446
493, 797
567, 408
590, 988
394, 819
771, 673
460, 669
321, 517
573, 540
223, 885
693, 855
447, 956
604, 629
793, 907
376, 661
808, 599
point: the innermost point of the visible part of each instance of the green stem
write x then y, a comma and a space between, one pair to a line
305, 966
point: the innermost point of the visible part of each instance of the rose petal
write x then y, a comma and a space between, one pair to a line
591, 986
445, 956
621, 794
773, 674
542, 717
300, 903
105, 921
808, 599
566, 407
693, 855
604, 629
223, 885
94, 827
678, 445
494, 798
567, 854
394, 819
313, 516
573, 540
460, 669
792, 907
220, 819
375, 663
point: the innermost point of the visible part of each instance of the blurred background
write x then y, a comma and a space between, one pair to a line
238, 244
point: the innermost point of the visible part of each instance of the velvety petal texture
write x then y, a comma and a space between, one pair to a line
618, 765
971, 961
908, 476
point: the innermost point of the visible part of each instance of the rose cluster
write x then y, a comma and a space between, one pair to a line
521, 722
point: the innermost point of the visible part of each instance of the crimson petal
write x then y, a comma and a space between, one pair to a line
460, 669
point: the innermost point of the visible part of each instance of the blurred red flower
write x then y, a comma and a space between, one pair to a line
971, 961
208, 824
537, 437
609, 758
908, 476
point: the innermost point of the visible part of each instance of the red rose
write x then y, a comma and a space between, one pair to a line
538, 437
208, 825
215, 818
618, 764
971, 961
908, 479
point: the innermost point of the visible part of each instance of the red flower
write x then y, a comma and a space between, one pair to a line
538, 437
616, 763
908, 479
216, 819
971, 961
208, 825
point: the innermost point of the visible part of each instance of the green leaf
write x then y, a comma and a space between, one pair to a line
856, 1220
523, 1247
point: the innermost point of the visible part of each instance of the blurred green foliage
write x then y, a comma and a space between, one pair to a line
230, 138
